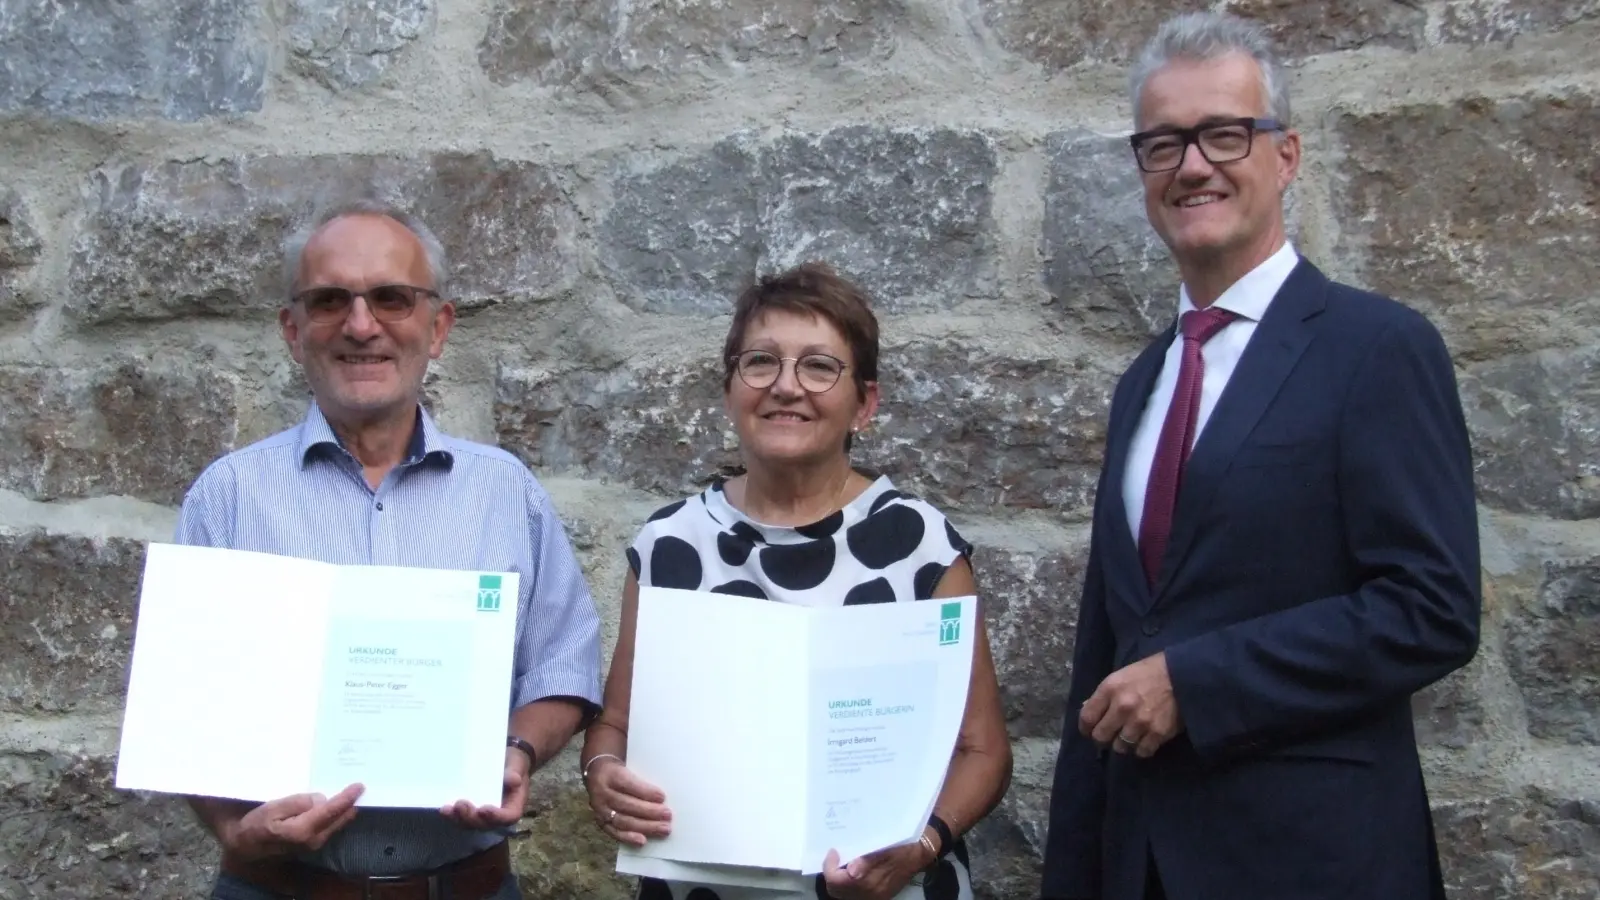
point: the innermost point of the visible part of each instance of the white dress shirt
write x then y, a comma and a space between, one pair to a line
1249, 297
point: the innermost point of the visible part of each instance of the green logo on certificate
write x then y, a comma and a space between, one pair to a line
488, 593
949, 623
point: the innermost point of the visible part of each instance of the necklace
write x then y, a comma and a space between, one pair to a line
837, 505
839, 497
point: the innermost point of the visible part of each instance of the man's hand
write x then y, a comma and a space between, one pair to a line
1133, 709
876, 876
513, 800
300, 822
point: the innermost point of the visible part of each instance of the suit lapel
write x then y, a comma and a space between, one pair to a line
1125, 570
1279, 340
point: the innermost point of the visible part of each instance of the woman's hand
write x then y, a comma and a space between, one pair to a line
626, 806
876, 876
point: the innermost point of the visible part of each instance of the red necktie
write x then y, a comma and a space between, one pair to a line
1177, 438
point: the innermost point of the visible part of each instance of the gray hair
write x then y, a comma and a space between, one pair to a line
294, 247
1206, 36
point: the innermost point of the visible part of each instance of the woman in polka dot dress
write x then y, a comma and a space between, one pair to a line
801, 526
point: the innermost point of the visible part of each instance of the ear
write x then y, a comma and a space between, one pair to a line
444, 318
290, 329
1288, 153
869, 407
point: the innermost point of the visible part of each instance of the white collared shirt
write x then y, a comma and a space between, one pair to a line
1249, 297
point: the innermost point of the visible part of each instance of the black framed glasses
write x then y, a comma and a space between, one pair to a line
387, 302
1221, 141
816, 372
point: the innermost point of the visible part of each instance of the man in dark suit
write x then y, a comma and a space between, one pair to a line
1285, 541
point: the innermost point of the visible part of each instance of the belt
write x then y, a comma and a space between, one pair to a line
475, 877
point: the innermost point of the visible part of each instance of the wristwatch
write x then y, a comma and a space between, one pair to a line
533, 755
945, 839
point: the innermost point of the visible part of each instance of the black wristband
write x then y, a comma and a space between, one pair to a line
533, 755
943, 830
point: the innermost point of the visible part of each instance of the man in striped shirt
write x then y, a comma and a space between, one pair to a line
367, 478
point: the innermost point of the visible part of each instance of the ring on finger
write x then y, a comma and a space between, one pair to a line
611, 819
1124, 739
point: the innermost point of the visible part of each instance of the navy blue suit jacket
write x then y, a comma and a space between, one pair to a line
1323, 566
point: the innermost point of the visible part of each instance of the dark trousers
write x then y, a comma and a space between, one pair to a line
1152, 881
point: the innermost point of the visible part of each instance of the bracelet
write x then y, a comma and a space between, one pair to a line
533, 755
929, 844
943, 830
596, 758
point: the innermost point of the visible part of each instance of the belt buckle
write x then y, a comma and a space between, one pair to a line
366, 884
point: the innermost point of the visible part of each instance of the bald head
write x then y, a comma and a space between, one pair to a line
297, 244
362, 250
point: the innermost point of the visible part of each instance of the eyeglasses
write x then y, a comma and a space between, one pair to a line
816, 372
387, 302
1162, 149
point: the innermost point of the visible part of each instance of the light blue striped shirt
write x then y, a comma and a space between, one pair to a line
453, 504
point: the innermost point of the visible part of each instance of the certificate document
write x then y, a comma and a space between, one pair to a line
780, 732
256, 676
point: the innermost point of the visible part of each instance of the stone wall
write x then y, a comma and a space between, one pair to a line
607, 172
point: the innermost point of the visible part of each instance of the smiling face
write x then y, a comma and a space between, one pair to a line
360, 369
784, 423
1227, 216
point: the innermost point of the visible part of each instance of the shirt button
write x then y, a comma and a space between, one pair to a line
388, 851
380, 507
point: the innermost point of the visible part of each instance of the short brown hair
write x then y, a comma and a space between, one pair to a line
811, 289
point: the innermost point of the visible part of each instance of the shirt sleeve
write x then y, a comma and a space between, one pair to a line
558, 636
207, 515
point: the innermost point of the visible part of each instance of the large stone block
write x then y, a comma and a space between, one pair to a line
1302, 29
69, 834
1535, 423
204, 238
124, 428
1062, 33
1058, 34
909, 212
1107, 268
179, 59
1553, 649
1538, 845
68, 620
906, 212
564, 856
1479, 21
19, 249
686, 236
1007, 847
1032, 614
345, 45
958, 427
1455, 711
561, 41
1481, 213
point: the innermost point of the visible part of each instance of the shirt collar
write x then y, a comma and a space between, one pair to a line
1250, 296
426, 439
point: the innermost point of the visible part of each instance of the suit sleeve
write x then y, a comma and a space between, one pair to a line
1078, 794
1404, 470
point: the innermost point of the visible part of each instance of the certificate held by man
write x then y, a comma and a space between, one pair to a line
833, 727
257, 676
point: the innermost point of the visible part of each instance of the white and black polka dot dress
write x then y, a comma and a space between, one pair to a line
883, 547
